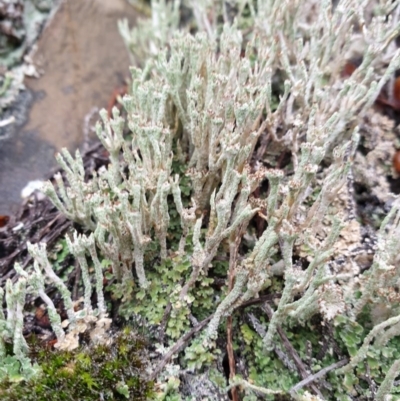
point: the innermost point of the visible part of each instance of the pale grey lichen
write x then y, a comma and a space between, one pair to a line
209, 102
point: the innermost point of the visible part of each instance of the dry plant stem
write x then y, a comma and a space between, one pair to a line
231, 356
233, 250
165, 318
367, 378
282, 355
76, 280
292, 352
318, 375
164, 321
178, 346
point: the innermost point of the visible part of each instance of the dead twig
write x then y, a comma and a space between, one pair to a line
292, 352
164, 322
178, 346
308, 380
76, 280
233, 251
284, 358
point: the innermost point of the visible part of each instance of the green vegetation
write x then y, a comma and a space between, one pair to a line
107, 372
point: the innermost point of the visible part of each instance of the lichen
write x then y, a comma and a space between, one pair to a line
231, 213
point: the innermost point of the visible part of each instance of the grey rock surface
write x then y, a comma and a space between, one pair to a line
81, 60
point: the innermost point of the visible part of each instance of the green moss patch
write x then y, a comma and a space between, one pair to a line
114, 372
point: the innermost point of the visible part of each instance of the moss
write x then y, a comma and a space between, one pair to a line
113, 372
